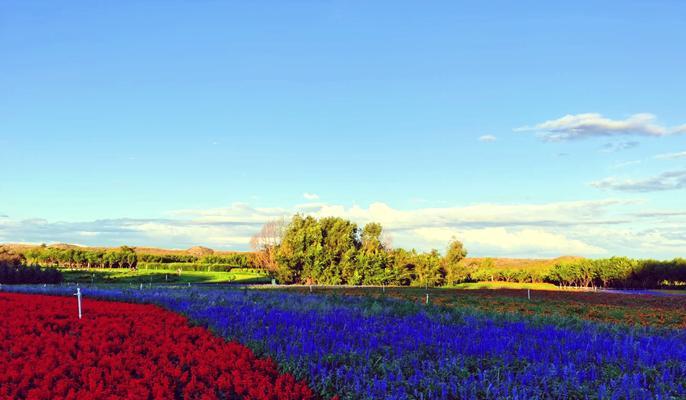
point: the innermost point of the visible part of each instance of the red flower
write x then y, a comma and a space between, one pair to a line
125, 351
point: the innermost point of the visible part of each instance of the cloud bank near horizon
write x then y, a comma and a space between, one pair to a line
670, 180
588, 228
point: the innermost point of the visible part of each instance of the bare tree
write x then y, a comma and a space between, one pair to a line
265, 242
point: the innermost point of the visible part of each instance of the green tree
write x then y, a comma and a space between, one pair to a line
456, 270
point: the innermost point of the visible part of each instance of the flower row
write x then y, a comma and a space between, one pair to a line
124, 351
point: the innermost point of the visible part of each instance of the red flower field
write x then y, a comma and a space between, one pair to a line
125, 351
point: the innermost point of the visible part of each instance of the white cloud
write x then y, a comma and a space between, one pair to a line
580, 126
236, 213
591, 228
189, 233
310, 196
559, 213
671, 180
487, 138
499, 240
671, 156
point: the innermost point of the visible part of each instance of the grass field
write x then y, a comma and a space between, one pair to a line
161, 276
505, 285
626, 309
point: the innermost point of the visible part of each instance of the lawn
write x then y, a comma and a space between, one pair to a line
116, 275
506, 285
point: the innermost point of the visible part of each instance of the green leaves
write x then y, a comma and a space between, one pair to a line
336, 251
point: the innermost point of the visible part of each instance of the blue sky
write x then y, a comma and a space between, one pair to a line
523, 128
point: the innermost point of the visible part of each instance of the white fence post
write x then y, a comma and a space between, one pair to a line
78, 299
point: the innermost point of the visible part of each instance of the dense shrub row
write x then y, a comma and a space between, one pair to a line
15, 274
126, 257
619, 272
242, 260
167, 258
123, 257
195, 266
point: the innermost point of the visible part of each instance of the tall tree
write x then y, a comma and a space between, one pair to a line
456, 271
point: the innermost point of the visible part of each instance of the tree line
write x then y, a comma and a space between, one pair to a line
619, 272
241, 260
335, 251
126, 257
614, 272
122, 257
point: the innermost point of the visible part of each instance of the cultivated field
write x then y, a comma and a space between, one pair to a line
380, 343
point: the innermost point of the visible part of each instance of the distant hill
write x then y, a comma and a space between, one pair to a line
197, 251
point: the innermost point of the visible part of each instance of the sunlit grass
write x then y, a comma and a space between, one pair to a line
115, 275
506, 285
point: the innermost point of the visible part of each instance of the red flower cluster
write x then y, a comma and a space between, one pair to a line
125, 351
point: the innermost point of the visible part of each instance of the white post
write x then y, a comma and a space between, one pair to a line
310, 288
141, 285
427, 298
78, 299
528, 293
383, 288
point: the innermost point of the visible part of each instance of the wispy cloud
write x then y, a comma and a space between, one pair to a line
671, 156
625, 164
581, 126
671, 180
310, 196
487, 138
619, 146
